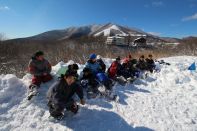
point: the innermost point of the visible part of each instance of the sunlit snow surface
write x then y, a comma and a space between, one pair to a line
164, 101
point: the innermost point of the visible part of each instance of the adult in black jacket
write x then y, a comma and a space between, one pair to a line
60, 95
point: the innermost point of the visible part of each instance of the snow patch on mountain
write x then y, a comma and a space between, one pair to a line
108, 31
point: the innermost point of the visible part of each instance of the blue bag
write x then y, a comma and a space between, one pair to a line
101, 77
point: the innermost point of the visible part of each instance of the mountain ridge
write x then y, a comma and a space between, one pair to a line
97, 30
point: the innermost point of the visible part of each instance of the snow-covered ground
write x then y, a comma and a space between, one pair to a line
164, 101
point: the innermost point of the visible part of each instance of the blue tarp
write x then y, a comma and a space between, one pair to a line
192, 66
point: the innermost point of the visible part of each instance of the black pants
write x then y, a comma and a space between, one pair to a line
57, 110
108, 84
92, 84
151, 68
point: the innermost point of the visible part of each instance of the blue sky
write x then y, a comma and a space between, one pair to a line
174, 18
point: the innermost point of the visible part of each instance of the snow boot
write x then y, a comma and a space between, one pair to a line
131, 79
121, 80
32, 92
91, 93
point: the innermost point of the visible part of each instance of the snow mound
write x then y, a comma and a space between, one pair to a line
166, 100
11, 92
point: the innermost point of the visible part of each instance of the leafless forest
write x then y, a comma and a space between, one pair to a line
15, 54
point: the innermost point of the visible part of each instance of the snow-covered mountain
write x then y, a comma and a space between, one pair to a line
92, 30
164, 101
95, 30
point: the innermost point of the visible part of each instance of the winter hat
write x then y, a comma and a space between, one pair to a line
126, 60
75, 67
118, 58
142, 56
39, 53
92, 56
150, 55
70, 73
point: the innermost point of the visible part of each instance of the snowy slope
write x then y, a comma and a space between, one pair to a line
111, 29
164, 101
107, 31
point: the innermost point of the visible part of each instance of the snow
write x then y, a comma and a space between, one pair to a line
172, 43
140, 35
160, 43
166, 100
107, 31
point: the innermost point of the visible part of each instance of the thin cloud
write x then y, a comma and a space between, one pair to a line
155, 33
146, 6
154, 4
174, 25
157, 3
189, 18
4, 8
192, 5
125, 19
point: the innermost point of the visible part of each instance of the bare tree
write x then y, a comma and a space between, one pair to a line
2, 37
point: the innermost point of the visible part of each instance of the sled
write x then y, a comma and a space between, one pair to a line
62, 71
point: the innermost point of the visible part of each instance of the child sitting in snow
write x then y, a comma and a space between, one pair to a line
150, 63
40, 68
115, 69
141, 64
93, 76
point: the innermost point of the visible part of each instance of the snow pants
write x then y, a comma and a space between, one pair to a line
57, 110
37, 80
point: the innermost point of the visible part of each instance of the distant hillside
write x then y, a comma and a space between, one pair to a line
97, 31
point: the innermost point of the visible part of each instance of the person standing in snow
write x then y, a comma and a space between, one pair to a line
60, 95
40, 68
101, 63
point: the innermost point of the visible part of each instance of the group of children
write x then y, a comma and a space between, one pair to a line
130, 68
60, 94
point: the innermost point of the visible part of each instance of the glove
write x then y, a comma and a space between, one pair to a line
84, 82
45, 74
82, 101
